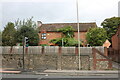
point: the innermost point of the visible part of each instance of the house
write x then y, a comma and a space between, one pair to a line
116, 40
49, 31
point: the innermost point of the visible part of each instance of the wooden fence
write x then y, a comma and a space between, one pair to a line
48, 50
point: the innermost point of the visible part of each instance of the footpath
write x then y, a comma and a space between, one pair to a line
61, 72
79, 72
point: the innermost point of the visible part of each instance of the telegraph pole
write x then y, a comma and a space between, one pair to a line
77, 6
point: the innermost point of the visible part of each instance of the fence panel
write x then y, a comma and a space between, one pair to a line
6, 50
34, 50
17, 50
68, 50
51, 49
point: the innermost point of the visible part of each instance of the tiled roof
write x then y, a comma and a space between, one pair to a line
55, 26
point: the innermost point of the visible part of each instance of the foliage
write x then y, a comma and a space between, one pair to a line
27, 28
111, 25
8, 35
29, 32
29, 23
66, 41
67, 37
96, 36
44, 45
67, 31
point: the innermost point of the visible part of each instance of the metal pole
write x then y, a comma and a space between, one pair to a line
62, 42
78, 33
23, 53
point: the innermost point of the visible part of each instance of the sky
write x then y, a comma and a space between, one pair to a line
57, 11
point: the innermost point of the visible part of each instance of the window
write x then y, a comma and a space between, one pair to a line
43, 36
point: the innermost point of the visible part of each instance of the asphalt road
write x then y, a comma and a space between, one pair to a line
76, 79
20, 79
57, 77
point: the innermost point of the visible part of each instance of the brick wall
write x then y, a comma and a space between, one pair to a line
116, 40
49, 36
82, 37
54, 35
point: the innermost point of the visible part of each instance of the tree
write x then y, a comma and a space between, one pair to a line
27, 29
29, 23
111, 25
96, 36
67, 37
8, 35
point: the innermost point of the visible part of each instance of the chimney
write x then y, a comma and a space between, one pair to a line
39, 23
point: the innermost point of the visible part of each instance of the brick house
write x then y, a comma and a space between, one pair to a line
116, 40
114, 52
49, 31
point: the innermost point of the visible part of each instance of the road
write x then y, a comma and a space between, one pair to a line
57, 77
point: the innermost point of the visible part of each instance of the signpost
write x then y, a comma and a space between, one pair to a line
106, 44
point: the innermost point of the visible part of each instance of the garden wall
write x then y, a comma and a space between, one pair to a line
49, 57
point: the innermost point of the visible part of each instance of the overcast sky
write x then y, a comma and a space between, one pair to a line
57, 11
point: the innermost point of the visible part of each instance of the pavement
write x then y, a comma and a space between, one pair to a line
57, 77
12, 74
78, 72
60, 72
83, 71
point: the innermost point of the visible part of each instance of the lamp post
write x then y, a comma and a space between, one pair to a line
78, 33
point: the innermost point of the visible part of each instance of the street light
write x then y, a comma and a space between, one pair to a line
77, 6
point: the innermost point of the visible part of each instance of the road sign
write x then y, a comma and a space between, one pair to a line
106, 44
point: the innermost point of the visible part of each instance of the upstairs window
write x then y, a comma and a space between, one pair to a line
43, 36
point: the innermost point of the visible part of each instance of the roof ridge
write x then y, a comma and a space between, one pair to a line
55, 26
72, 23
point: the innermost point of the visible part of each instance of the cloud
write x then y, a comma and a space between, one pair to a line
46, 1
0, 16
59, 10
